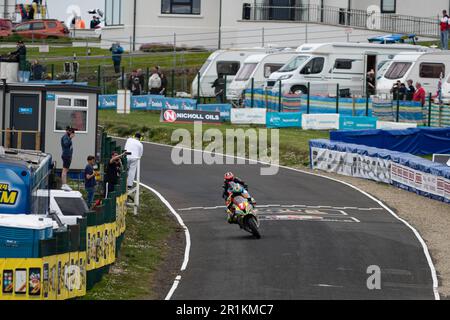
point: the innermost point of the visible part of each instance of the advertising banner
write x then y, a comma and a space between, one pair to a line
161, 102
188, 116
248, 116
357, 123
386, 125
284, 120
224, 109
420, 181
320, 121
351, 164
107, 102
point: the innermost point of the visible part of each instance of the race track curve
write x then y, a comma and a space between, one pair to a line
319, 237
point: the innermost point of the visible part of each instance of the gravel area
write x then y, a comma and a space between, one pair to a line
431, 219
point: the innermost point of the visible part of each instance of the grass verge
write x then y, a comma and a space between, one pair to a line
294, 143
143, 251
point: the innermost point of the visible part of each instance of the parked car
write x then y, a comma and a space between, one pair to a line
6, 27
42, 29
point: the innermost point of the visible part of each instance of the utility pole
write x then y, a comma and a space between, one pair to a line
220, 25
134, 25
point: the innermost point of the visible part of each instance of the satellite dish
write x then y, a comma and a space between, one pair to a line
373, 17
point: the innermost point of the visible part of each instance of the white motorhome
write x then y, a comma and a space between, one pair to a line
426, 68
258, 67
225, 62
325, 65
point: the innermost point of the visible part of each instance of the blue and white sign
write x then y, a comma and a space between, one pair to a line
51, 97
284, 120
320, 121
357, 123
26, 110
107, 102
224, 109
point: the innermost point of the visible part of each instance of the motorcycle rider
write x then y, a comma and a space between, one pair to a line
234, 187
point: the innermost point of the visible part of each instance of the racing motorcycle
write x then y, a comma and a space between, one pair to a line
245, 215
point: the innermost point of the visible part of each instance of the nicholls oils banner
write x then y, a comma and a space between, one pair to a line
173, 116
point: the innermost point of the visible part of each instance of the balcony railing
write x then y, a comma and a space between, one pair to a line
393, 23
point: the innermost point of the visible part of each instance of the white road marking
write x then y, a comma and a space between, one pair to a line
287, 206
186, 232
416, 233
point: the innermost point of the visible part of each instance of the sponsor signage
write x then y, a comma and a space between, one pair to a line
320, 121
224, 109
284, 120
173, 116
386, 125
248, 116
106, 102
26, 110
357, 123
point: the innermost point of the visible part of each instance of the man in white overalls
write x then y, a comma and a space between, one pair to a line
136, 149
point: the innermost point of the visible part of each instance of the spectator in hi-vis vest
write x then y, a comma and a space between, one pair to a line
155, 82
444, 27
136, 149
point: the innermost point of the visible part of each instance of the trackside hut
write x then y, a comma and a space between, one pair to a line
43, 111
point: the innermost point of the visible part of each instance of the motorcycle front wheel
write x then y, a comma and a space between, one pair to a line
253, 226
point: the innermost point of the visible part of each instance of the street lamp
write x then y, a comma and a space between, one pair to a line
220, 24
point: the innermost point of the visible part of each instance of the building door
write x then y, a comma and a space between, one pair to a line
24, 117
285, 12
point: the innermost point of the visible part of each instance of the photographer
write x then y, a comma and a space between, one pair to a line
113, 171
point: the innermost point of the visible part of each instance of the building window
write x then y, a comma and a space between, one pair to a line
113, 12
344, 64
180, 6
388, 6
71, 112
432, 70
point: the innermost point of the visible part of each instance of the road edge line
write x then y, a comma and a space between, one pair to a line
186, 233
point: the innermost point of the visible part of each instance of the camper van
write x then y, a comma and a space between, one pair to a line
258, 67
426, 68
225, 62
325, 65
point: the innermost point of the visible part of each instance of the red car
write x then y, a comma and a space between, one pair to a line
6, 27
42, 29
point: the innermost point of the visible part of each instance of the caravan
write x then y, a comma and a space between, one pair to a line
226, 63
426, 68
257, 69
325, 65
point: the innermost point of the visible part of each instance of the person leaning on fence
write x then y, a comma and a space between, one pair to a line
135, 147
420, 94
20, 56
113, 171
66, 156
444, 27
89, 180
219, 88
155, 82
410, 90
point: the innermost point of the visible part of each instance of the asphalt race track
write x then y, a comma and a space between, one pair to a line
319, 237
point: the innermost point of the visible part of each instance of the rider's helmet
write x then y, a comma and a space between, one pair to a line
229, 176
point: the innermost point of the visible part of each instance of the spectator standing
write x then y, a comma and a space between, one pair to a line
37, 71
113, 171
67, 153
395, 89
410, 90
117, 52
444, 27
135, 147
219, 88
93, 23
371, 90
402, 91
163, 89
141, 76
155, 82
89, 181
20, 55
420, 94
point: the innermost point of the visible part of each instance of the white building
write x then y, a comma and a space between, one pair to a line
261, 22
